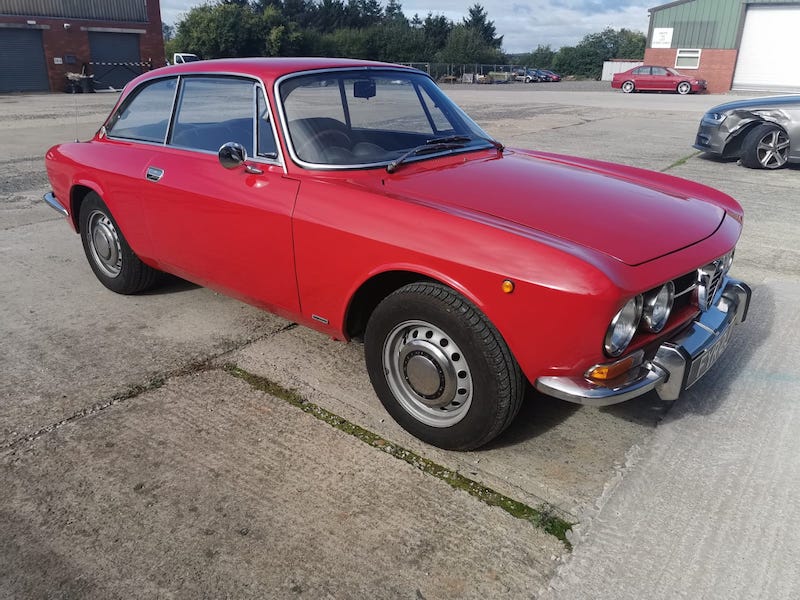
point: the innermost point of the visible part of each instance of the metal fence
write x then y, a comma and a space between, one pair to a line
467, 73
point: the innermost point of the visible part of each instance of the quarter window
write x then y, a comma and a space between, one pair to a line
145, 115
687, 59
213, 111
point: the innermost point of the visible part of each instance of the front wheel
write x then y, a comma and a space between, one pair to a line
628, 87
765, 147
111, 258
684, 88
440, 368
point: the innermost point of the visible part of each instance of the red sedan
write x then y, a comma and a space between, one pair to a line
356, 198
653, 78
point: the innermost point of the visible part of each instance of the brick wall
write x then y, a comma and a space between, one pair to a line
59, 41
716, 65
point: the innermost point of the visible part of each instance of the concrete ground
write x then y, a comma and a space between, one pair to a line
134, 463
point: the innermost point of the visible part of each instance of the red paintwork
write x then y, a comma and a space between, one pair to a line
578, 237
668, 82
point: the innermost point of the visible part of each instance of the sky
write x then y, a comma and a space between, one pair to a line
524, 23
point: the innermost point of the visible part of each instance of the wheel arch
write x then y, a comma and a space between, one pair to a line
77, 195
734, 145
379, 285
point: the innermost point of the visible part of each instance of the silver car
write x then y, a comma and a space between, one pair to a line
764, 133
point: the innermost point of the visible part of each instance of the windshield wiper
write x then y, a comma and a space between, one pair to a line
450, 139
429, 148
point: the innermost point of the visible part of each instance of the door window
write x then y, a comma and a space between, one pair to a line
145, 114
213, 111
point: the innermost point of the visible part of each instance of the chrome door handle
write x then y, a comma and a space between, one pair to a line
154, 173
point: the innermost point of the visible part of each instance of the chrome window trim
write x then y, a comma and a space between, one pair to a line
130, 97
279, 161
325, 167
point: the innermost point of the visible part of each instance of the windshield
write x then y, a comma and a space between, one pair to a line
371, 117
674, 72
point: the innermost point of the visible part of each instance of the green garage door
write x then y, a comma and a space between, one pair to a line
115, 58
23, 67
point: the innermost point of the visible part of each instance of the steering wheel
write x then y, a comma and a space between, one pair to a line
313, 147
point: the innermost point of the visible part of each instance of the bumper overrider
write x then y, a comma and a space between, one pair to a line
52, 202
677, 364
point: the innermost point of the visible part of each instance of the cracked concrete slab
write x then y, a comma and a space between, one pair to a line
209, 488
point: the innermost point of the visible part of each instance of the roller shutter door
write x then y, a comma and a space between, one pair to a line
768, 52
23, 67
116, 56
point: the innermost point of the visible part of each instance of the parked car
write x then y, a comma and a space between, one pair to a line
355, 198
549, 75
654, 78
764, 133
526, 75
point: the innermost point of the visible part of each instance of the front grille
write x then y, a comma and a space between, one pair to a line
709, 278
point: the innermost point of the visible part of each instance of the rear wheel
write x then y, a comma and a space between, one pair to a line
684, 88
628, 87
765, 147
111, 258
440, 368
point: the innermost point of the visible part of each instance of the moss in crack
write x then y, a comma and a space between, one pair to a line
680, 161
543, 517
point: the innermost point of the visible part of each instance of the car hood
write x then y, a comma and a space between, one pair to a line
757, 103
629, 214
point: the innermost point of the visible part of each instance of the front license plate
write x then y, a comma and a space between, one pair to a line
706, 359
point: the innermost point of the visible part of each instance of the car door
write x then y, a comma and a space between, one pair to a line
228, 229
642, 79
661, 79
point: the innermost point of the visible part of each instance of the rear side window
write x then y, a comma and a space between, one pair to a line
213, 111
145, 115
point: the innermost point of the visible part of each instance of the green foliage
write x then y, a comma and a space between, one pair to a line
367, 29
541, 58
586, 59
467, 45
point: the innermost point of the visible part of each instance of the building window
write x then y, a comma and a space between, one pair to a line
687, 59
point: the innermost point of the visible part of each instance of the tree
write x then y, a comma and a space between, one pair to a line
541, 58
167, 31
478, 20
467, 45
587, 57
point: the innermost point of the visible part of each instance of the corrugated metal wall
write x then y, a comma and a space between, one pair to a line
101, 10
705, 23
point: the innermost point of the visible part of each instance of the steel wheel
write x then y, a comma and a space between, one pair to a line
684, 88
765, 147
628, 87
427, 373
104, 245
111, 258
440, 368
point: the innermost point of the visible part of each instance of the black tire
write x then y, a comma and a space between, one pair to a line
109, 255
440, 368
684, 87
628, 87
765, 147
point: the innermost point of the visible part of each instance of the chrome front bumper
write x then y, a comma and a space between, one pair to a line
50, 198
677, 364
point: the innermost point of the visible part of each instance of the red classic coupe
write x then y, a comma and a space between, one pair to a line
354, 197
653, 78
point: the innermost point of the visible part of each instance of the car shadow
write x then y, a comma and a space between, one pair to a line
170, 284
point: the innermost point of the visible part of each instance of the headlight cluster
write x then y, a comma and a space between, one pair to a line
651, 310
714, 117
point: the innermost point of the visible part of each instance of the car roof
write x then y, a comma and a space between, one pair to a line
267, 69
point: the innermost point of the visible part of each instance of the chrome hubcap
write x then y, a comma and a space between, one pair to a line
104, 244
773, 149
427, 373
684, 88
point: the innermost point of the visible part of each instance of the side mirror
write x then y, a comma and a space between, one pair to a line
232, 155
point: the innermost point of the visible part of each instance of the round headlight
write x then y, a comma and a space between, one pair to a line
727, 261
623, 327
657, 307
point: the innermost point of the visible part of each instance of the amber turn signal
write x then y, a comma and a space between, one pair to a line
613, 370
508, 286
